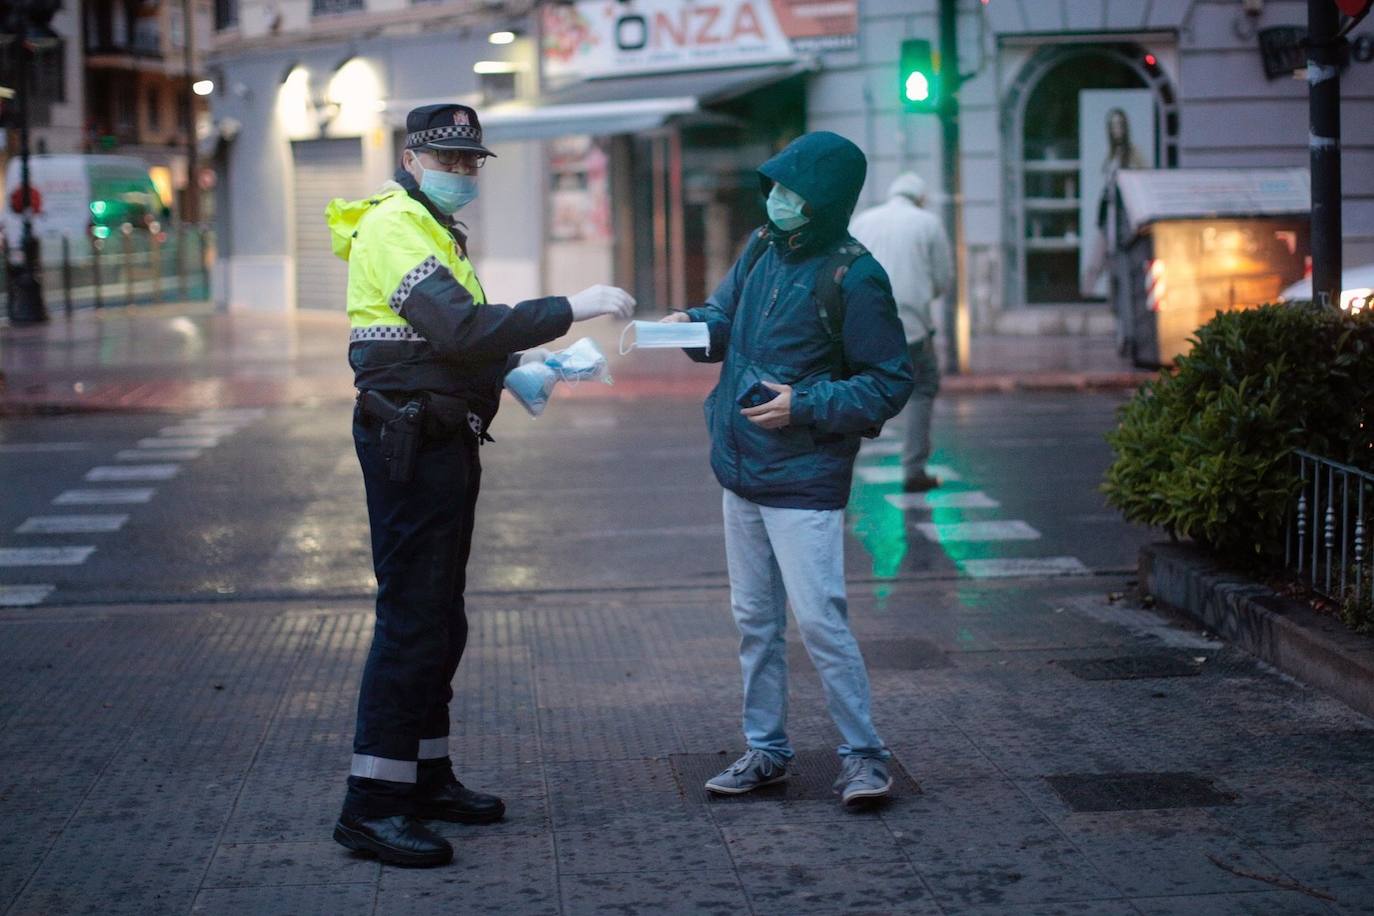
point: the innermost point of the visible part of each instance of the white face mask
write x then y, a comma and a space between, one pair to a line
653, 335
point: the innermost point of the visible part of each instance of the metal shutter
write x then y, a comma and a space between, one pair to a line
325, 169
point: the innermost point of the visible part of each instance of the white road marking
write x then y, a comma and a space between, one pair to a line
35, 448
879, 448
157, 454
1029, 567
104, 497
892, 473
233, 414
111, 472
23, 595
71, 524
977, 531
960, 499
44, 556
180, 442
218, 430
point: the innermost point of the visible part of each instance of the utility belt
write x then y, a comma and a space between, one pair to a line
407, 418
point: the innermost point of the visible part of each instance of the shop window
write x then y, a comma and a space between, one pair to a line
1089, 115
154, 109
226, 14
330, 7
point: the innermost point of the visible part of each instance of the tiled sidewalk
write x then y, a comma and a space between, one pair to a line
174, 760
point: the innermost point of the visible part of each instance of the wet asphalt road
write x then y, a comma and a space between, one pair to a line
595, 494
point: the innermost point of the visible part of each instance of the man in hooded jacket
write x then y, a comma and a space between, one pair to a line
422, 333
786, 465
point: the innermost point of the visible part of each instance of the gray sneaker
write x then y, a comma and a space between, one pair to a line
863, 779
751, 771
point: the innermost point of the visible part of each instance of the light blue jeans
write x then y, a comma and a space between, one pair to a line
773, 555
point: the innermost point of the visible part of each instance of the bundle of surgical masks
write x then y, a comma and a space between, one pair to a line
532, 384
652, 335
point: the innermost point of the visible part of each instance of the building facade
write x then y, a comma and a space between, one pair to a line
628, 131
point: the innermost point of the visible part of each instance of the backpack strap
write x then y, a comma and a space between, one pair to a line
829, 293
758, 244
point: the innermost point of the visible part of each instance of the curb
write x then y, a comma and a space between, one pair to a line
1318, 650
1007, 383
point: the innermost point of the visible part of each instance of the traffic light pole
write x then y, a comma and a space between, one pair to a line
956, 304
27, 306
1324, 147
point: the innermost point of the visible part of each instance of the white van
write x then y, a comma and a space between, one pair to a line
81, 196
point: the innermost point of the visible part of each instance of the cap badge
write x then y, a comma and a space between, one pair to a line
461, 118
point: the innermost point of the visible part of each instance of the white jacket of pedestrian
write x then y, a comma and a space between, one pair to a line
910, 243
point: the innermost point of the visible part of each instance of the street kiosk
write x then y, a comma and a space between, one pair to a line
1195, 242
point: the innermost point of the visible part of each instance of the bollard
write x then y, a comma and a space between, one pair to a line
127, 231
181, 262
67, 275
96, 246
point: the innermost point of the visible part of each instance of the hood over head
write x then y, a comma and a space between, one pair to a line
908, 184
828, 172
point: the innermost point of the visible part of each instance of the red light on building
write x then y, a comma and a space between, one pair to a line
1151, 60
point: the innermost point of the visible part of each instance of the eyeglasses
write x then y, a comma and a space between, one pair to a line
448, 158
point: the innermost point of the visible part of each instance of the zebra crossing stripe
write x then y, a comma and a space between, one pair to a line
892, 473
879, 448
954, 532
959, 499
158, 454
218, 430
23, 595
44, 556
1011, 568
116, 472
38, 448
180, 442
71, 524
104, 497
233, 414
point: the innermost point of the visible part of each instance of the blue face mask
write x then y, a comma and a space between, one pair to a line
448, 191
785, 209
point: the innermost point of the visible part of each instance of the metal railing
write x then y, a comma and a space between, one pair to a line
127, 268
1328, 538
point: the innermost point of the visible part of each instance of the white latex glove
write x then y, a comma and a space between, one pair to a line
601, 300
535, 355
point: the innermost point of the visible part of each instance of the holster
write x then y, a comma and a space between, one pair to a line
402, 427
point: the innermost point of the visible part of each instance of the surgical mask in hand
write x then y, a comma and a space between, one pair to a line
582, 360
532, 385
785, 209
448, 192
651, 335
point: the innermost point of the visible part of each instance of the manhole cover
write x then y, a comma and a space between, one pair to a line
1136, 791
885, 654
809, 777
1130, 667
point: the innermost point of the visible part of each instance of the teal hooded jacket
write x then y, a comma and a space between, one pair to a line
765, 325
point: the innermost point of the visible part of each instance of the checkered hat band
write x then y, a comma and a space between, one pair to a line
454, 132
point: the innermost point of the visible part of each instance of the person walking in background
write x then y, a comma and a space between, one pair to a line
813, 360
909, 242
429, 354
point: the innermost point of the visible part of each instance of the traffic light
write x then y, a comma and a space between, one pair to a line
918, 84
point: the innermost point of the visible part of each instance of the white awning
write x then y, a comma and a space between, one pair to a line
1152, 195
622, 105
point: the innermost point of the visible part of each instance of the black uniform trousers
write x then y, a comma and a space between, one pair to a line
421, 538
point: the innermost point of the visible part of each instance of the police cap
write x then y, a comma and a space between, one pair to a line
445, 127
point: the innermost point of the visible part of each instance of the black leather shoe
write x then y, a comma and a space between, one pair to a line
457, 803
920, 483
399, 840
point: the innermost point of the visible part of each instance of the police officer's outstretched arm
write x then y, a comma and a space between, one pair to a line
427, 295
875, 351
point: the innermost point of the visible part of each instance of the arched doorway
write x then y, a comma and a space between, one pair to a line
1054, 173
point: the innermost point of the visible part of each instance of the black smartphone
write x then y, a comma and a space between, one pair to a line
756, 394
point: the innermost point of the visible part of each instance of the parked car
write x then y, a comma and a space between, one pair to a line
1357, 288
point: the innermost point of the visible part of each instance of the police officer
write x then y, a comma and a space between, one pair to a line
429, 354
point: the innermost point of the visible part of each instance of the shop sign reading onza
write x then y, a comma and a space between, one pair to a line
595, 38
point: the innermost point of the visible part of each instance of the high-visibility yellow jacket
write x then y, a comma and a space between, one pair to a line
419, 318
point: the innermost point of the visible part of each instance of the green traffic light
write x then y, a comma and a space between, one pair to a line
917, 87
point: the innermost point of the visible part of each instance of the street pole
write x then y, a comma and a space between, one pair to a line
27, 306
191, 209
956, 305
1324, 146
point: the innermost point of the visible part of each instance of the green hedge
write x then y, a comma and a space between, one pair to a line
1204, 452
